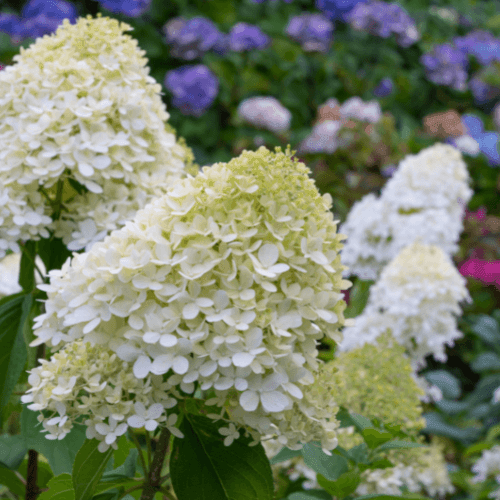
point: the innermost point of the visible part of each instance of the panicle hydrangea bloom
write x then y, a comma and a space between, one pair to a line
312, 31
336, 9
228, 280
83, 128
81, 379
384, 88
244, 37
424, 199
416, 299
190, 39
265, 112
131, 8
194, 88
481, 44
446, 65
383, 19
488, 466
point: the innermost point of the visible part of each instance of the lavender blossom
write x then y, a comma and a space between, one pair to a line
312, 31
245, 37
336, 9
190, 39
446, 65
383, 19
384, 88
480, 44
131, 8
194, 88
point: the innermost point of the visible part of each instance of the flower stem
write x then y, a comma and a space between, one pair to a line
141, 455
150, 452
32, 490
153, 482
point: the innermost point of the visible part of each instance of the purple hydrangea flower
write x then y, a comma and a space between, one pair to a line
383, 19
131, 8
384, 88
40, 25
488, 141
482, 92
58, 9
194, 88
312, 31
336, 9
245, 36
191, 38
481, 44
12, 25
446, 65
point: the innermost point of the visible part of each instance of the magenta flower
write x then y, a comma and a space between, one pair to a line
483, 270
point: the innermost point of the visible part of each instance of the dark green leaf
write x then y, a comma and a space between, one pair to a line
359, 453
381, 463
53, 253
436, 425
284, 454
126, 470
88, 468
343, 486
59, 453
226, 472
8, 478
449, 384
27, 267
486, 361
486, 328
331, 467
309, 495
399, 445
375, 437
12, 451
60, 488
360, 422
452, 407
358, 297
14, 311
44, 473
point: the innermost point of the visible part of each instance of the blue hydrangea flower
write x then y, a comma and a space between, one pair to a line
488, 141
446, 65
336, 9
482, 92
12, 25
131, 8
58, 9
384, 88
190, 39
383, 19
312, 31
245, 36
194, 88
480, 44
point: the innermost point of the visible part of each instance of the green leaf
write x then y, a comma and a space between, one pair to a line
486, 361
449, 384
331, 467
59, 453
309, 495
436, 425
12, 451
8, 478
359, 453
376, 496
360, 422
343, 486
236, 472
14, 310
60, 488
486, 328
284, 454
53, 253
381, 463
44, 473
358, 298
121, 454
124, 471
399, 445
88, 468
375, 437
27, 268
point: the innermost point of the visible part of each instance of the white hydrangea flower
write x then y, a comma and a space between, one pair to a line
146, 418
9, 273
265, 112
466, 144
487, 465
231, 434
423, 201
416, 298
83, 137
228, 280
323, 138
358, 109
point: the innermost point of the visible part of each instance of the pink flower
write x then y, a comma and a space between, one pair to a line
480, 214
484, 270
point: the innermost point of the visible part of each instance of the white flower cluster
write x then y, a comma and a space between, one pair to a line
487, 466
265, 112
9, 274
229, 280
424, 200
85, 380
83, 139
324, 136
416, 299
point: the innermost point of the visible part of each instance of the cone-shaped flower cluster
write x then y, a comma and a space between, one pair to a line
416, 299
424, 200
83, 143
228, 280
